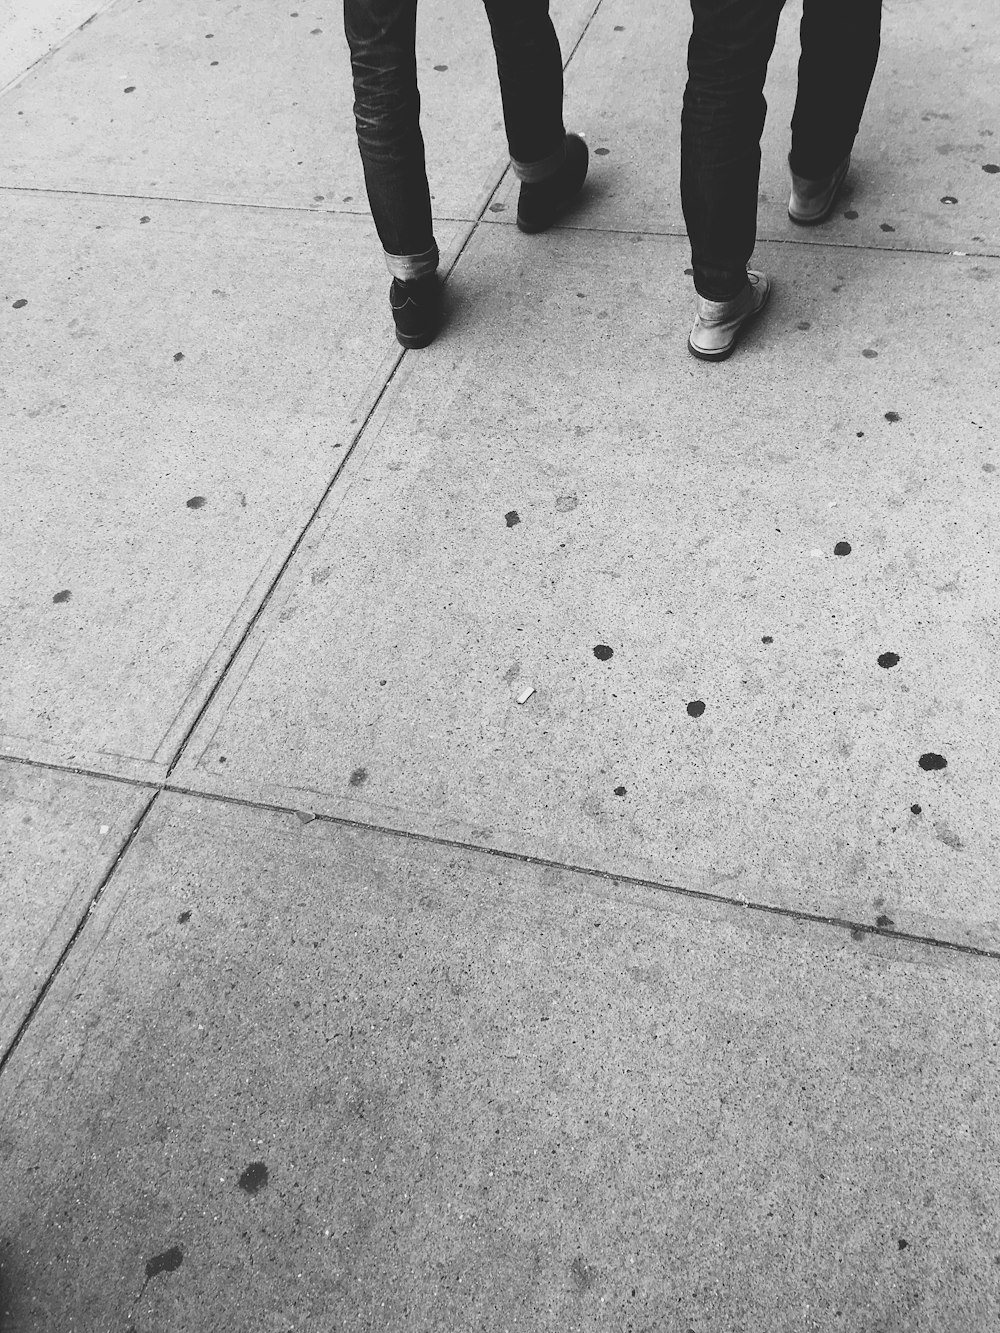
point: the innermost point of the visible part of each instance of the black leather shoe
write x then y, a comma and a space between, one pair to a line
541, 203
416, 309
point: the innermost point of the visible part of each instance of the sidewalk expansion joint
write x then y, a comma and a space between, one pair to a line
95, 898
206, 203
610, 877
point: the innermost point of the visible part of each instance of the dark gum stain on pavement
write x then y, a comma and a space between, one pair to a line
254, 1178
167, 1262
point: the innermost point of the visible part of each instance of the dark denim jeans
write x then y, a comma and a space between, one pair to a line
381, 35
724, 109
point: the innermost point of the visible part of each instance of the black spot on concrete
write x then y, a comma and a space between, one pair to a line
915, 809
178, 356
167, 1262
850, 214
884, 226
254, 1178
315, 32
582, 1274
184, 918
358, 777
20, 303
803, 324
857, 933
512, 518
63, 596
991, 168
602, 152
902, 1243
860, 434
196, 502
602, 652
842, 548
892, 416
620, 791
689, 272
695, 708
888, 659
989, 467
767, 639
498, 208
440, 68
948, 199
144, 218
129, 89
883, 921
209, 34
930, 761
213, 62
870, 353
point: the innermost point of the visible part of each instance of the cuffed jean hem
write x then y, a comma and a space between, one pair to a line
718, 289
530, 173
409, 267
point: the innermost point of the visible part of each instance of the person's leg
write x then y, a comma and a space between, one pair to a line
840, 46
550, 164
721, 124
381, 35
529, 63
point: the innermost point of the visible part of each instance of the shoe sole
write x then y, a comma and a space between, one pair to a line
411, 341
724, 353
533, 228
801, 221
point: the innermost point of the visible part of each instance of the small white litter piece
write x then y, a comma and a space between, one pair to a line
104, 829
819, 553
526, 694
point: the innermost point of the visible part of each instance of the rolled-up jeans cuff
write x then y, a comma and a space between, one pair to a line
530, 173
409, 267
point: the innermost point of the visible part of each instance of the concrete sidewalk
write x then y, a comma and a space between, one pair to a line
340, 989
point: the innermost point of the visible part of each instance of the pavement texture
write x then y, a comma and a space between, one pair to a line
339, 987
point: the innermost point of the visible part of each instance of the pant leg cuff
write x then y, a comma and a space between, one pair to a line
530, 173
407, 268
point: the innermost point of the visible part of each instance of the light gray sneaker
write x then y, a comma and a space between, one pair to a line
812, 202
718, 324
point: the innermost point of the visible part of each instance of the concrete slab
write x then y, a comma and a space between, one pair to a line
250, 104
924, 166
59, 836
181, 382
299, 1077
557, 479
30, 29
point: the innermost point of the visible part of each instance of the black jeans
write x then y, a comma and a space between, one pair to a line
723, 117
381, 35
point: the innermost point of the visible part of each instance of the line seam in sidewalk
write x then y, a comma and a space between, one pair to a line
612, 877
